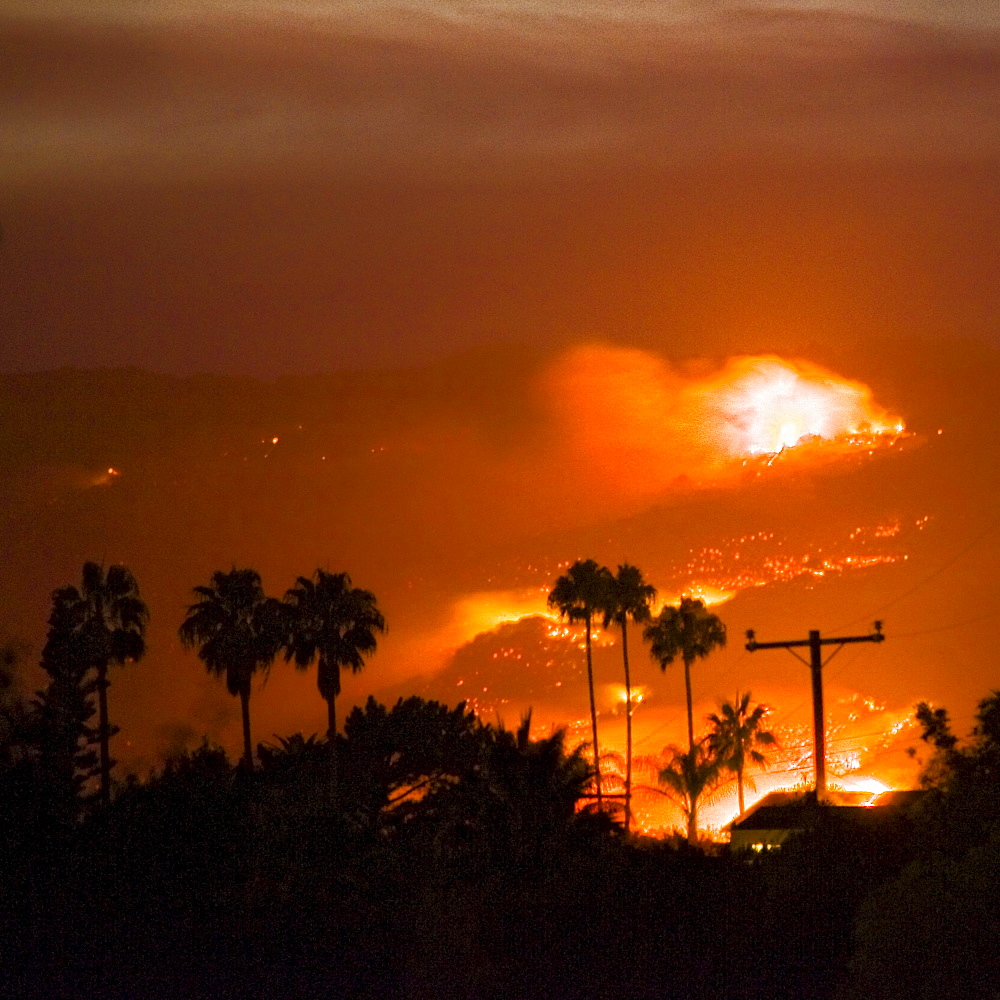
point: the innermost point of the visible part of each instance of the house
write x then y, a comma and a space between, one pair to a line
780, 816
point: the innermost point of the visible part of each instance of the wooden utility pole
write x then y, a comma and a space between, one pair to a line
816, 644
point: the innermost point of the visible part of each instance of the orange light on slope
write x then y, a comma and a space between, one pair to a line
709, 595
486, 610
869, 784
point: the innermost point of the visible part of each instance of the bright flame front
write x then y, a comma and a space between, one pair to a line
763, 405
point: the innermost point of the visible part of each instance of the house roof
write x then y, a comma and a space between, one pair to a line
797, 810
901, 798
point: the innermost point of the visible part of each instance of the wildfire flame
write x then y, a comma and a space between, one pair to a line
767, 404
629, 427
762, 405
636, 423
709, 594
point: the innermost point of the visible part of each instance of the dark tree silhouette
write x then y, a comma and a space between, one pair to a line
105, 620
737, 734
519, 801
238, 631
688, 777
931, 931
964, 776
12, 707
58, 727
398, 758
580, 594
947, 757
628, 597
335, 625
691, 632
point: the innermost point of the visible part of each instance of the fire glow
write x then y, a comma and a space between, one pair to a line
759, 559
632, 416
763, 405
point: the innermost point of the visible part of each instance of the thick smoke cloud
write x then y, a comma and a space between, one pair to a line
633, 427
472, 91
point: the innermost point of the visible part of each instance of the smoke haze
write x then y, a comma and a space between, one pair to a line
449, 295
457, 495
309, 187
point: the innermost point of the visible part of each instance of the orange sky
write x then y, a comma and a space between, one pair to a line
451, 202
318, 186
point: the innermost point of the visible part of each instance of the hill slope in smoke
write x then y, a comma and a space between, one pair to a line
434, 486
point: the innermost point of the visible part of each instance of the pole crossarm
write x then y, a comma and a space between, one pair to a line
815, 642
753, 645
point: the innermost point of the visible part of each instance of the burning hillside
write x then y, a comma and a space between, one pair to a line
628, 413
459, 494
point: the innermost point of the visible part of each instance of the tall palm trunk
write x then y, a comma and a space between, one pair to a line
593, 719
628, 731
331, 717
739, 788
245, 709
331, 735
105, 733
690, 707
695, 790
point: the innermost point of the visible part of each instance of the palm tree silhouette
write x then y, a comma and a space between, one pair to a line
335, 624
580, 594
628, 596
688, 777
736, 735
238, 631
106, 624
690, 631
529, 788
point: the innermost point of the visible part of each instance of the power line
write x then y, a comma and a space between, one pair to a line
816, 643
947, 628
927, 579
895, 746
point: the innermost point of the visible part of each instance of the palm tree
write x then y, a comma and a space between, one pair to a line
628, 596
238, 631
690, 631
334, 624
736, 735
688, 777
525, 791
106, 622
580, 594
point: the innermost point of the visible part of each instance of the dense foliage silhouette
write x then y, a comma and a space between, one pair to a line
934, 930
456, 862
454, 859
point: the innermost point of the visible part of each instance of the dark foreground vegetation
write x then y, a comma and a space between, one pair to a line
450, 859
423, 854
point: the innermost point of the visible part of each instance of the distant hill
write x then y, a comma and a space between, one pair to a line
432, 484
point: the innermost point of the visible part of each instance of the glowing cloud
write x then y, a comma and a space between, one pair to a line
631, 417
486, 610
763, 405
